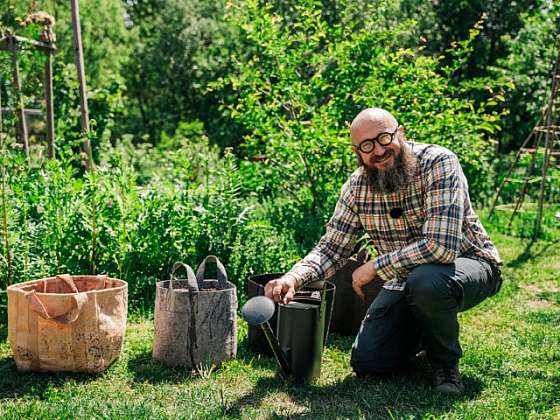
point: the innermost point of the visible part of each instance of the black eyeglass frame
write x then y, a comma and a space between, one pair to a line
376, 139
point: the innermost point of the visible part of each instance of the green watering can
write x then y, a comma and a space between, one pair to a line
298, 343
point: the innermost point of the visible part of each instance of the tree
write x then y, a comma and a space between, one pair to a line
529, 66
183, 46
106, 39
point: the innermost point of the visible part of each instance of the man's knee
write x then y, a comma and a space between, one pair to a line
366, 355
427, 283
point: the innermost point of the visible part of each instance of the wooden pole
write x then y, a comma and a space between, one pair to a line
49, 104
79, 55
3, 196
5, 43
528, 173
549, 144
22, 126
511, 168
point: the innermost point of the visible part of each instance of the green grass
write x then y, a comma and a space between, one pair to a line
511, 368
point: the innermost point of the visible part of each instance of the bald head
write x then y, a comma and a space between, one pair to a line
371, 119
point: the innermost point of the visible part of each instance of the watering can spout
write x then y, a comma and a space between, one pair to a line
258, 311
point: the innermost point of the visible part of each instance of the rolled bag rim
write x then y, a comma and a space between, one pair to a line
17, 287
160, 286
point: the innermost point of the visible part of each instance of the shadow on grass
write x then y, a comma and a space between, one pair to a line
548, 318
15, 384
145, 369
529, 253
402, 396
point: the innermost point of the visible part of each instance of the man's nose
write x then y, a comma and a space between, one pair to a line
379, 150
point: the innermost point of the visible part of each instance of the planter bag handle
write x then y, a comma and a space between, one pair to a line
66, 315
66, 278
221, 282
103, 282
191, 277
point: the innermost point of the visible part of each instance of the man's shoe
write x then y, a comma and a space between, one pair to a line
447, 380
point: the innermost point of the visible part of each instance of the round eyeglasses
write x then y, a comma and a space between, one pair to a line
384, 139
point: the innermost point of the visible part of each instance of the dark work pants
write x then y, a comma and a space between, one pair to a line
425, 314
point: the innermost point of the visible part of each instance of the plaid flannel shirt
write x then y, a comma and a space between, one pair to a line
437, 225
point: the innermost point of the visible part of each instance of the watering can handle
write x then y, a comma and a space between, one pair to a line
221, 271
191, 277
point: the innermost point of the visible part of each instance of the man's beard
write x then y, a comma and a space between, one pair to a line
397, 177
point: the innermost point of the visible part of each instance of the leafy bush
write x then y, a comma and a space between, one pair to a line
105, 222
306, 82
130, 222
260, 249
182, 46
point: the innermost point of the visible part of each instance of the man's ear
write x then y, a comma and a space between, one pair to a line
354, 149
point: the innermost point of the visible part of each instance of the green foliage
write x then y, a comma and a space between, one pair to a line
184, 159
529, 66
306, 82
108, 221
441, 23
104, 104
183, 45
532, 166
261, 248
107, 42
529, 168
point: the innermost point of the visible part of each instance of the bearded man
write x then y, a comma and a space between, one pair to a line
433, 253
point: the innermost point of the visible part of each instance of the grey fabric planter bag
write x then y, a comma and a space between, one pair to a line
195, 318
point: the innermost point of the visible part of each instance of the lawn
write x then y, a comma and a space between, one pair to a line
511, 368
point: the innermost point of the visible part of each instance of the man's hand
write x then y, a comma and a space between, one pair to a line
362, 276
281, 290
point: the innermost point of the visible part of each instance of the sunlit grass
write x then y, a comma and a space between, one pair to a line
511, 368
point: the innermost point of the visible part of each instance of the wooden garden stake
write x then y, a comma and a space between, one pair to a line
49, 104
79, 55
22, 127
549, 132
11, 44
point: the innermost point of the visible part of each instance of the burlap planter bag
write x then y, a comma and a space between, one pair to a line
349, 309
67, 323
195, 319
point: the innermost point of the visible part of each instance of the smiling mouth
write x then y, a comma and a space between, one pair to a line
383, 157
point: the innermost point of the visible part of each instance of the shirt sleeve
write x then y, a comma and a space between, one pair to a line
442, 230
335, 246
